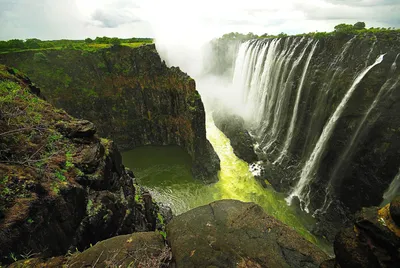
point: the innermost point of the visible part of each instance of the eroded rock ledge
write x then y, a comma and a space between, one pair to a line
62, 187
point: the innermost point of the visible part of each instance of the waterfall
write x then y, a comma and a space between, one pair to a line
302, 189
296, 106
284, 96
394, 65
392, 191
310, 107
334, 180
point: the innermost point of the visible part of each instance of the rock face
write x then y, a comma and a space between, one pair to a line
373, 241
349, 164
231, 233
233, 127
129, 93
133, 250
62, 187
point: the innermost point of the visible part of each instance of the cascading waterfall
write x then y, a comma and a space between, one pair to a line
393, 190
383, 92
302, 189
311, 108
296, 107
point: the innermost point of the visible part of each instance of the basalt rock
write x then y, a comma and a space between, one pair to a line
129, 94
241, 141
292, 87
133, 250
373, 240
231, 233
62, 187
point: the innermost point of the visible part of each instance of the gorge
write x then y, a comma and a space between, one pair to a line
316, 119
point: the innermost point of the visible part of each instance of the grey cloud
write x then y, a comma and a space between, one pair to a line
364, 3
378, 11
112, 19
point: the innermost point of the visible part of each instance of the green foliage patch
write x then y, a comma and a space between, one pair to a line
16, 45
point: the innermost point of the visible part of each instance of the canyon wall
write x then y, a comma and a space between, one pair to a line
325, 116
129, 93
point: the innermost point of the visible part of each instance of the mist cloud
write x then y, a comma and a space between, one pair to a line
186, 21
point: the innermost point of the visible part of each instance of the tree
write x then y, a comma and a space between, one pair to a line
15, 43
32, 43
344, 28
88, 40
282, 34
359, 25
115, 41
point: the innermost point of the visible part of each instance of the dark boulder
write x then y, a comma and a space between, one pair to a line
373, 241
231, 233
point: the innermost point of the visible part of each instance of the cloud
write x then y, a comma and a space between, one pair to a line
372, 12
185, 21
102, 18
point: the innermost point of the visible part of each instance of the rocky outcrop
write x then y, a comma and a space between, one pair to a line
129, 93
231, 233
373, 240
62, 187
233, 127
133, 250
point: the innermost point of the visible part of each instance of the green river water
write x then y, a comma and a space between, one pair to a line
166, 173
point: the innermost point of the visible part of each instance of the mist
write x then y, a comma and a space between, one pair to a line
183, 33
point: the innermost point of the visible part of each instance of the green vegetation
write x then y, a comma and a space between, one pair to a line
342, 29
88, 44
32, 150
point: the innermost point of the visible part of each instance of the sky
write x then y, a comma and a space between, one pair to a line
177, 20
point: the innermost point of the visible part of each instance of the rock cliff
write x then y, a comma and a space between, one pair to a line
129, 93
324, 113
62, 187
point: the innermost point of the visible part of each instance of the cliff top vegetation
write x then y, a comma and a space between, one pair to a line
17, 45
340, 30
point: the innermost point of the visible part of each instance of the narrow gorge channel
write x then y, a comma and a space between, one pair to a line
165, 173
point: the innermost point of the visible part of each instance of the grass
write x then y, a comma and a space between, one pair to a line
79, 46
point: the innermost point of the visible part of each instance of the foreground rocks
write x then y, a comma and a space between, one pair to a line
373, 240
62, 187
134, 250
231, 233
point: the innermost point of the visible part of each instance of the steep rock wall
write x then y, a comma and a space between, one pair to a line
334, 159
129, 93
61, 186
